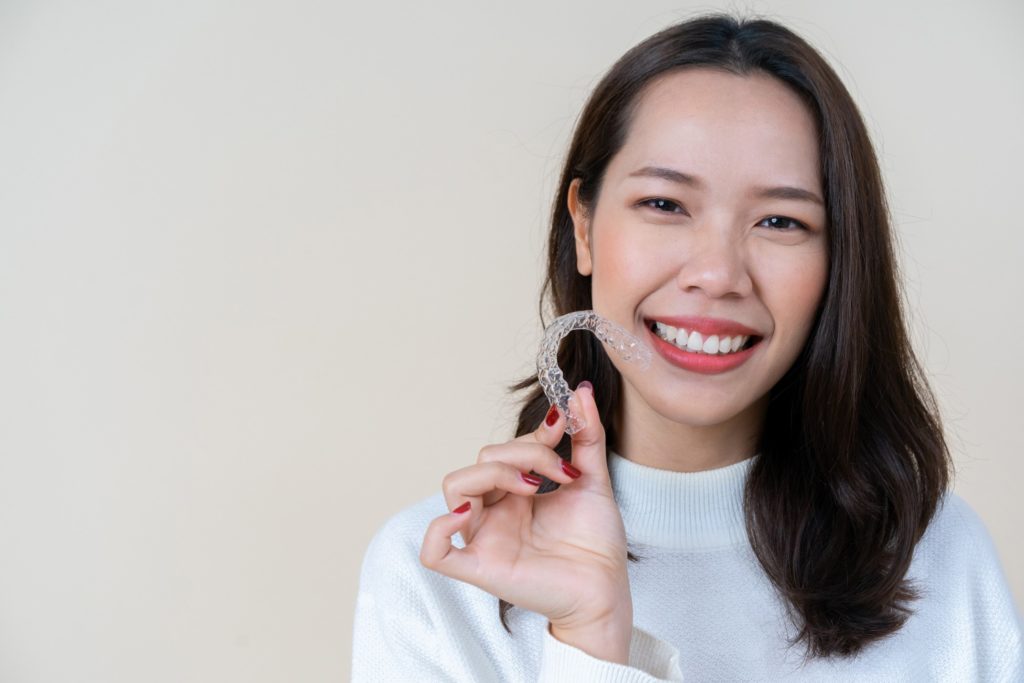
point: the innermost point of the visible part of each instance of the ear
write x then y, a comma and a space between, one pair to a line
580, 230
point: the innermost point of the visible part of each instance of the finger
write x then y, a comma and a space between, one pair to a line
528, 456
550, 430
438, 553
477, 482
549, 433
589, 450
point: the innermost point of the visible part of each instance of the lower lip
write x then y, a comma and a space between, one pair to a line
703, 363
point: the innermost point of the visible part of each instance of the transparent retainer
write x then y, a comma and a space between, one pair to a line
628, 347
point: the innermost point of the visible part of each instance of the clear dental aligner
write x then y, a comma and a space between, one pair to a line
628, 347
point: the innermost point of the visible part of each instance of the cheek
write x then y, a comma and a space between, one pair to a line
792, 286
623, 262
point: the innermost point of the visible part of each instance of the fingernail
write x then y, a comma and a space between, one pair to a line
552, 416
530, 479
570, 470
462, 508
585, 384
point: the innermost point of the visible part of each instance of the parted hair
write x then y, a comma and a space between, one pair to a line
853, 458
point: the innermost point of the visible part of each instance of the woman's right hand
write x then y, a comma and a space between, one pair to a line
561, 554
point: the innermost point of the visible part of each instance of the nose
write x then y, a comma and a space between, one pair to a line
715, 263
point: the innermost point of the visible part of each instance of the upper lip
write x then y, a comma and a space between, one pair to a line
706, 326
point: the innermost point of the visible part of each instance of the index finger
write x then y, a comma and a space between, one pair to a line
550, 430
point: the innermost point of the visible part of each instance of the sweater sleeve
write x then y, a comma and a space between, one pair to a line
389, 644
409, 625
413, 624
650, 660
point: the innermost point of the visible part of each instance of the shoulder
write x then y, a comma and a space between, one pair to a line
396, 544
396, 587
393, 578
956, 530
956, 562
957, 544
397, 595
412, 623
966, 592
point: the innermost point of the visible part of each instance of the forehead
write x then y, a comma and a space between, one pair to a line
719, 125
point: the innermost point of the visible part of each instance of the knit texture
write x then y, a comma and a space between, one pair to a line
703, 608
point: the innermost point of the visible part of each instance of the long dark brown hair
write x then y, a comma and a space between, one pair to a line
853, 458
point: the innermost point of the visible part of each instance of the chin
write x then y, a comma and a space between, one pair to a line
706, 415
707, 407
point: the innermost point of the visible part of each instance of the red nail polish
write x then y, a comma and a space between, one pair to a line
530, 479
570, 470
552, 416
462, 508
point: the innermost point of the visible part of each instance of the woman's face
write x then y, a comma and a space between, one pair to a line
710, 219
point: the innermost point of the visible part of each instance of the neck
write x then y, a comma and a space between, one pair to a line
648, 438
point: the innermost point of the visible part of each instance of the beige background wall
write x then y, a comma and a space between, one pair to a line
266, 267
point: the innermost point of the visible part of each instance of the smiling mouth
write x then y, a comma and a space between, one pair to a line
709, 344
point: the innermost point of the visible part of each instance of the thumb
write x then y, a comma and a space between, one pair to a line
589, 450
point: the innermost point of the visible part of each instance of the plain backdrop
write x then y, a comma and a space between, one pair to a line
267, 269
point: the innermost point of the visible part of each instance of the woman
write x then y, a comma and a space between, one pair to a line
778, 475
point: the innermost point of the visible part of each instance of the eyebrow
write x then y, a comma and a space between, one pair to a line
781, 192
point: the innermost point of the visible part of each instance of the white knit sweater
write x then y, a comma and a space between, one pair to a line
703, 608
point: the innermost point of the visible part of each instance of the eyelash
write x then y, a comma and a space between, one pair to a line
661, 202
647, 202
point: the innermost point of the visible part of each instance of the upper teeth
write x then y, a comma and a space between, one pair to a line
696, 343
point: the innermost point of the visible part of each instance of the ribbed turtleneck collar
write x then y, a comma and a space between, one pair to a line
680, 510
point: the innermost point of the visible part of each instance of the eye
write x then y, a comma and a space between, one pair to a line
662, 205
783, 223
